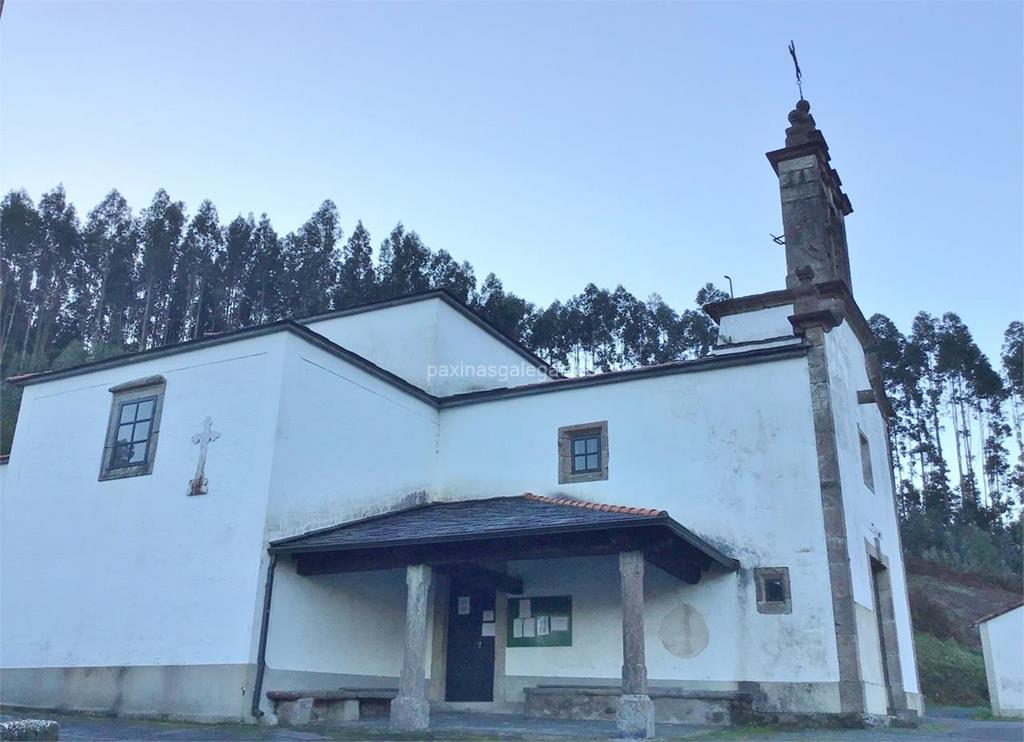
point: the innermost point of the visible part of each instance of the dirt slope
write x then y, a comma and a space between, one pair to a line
946, 603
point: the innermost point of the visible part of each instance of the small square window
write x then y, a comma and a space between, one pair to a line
773, 592
133, 429
583, 453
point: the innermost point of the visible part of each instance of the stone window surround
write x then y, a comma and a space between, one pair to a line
565, 438
130, 391
763, 574
865, 460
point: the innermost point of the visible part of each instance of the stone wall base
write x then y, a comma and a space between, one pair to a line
210, 693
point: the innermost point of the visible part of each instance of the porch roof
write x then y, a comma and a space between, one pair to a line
502, 528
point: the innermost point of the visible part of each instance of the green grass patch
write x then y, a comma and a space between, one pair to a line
951, 674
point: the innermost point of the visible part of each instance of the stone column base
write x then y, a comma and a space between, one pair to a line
634, 717
410, 714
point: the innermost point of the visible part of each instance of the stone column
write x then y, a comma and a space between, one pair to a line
410, 711
635, 714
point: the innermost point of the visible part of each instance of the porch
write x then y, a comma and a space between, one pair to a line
464, 609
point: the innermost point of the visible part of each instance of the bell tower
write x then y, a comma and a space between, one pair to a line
813, 204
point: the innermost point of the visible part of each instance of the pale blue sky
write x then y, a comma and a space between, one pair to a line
553, 143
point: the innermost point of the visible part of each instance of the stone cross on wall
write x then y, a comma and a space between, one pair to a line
199, 485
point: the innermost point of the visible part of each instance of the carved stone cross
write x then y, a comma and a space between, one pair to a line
199, 485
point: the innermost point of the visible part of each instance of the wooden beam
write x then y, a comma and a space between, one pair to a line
593, 543
687, 570
483, 577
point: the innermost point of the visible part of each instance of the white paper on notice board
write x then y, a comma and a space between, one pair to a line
517, 628
529, 628
542, 626
524, 608
487, 629
559, 623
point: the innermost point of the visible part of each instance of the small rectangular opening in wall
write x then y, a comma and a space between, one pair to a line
773, 591
865, 461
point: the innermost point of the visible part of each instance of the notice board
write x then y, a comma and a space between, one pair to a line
544, 621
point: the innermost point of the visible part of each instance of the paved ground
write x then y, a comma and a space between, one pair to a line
940, 725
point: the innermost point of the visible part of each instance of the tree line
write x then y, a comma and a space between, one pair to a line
956, 439
75, 289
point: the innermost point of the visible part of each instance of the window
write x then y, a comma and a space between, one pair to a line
583, 453
131, 442
774, 590
586, 454
772, 585
133, 428
865, 461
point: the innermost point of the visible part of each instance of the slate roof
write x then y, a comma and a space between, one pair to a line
498, 517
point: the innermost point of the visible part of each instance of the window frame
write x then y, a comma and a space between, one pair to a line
762, 575
567, 435
132, 392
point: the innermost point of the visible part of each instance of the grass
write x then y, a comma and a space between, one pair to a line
951, 674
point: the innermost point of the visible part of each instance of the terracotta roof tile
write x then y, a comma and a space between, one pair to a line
603, 507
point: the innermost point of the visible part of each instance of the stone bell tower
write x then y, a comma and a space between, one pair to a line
813, 204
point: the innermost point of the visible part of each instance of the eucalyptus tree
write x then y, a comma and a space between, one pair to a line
53, 263
266, 284
237, 262
403, 264
356, 282
456, 278
161, 228
311, 262
19, 244
111, 251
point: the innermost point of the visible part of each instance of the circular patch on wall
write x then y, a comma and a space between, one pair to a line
683, 631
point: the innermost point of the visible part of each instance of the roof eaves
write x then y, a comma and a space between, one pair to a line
286, 325
707, 363
624, 522
125, 359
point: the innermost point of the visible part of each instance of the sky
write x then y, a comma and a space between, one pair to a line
554, 144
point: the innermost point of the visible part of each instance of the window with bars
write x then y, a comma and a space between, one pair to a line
133, 428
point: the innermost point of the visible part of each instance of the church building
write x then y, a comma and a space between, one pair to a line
393, 509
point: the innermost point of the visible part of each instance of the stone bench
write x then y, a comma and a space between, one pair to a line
299, 707
671, 705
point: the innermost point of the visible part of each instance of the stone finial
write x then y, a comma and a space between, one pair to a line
801, 125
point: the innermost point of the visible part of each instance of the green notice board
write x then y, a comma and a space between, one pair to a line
540, 622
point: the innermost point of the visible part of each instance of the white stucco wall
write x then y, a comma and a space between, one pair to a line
348, 445
133, 571
761, 324
869, 514
730, 455
430, 344
1002, 640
